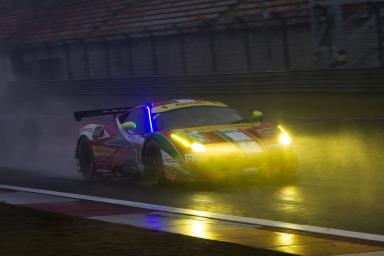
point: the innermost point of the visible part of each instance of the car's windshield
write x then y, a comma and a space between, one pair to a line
196, 117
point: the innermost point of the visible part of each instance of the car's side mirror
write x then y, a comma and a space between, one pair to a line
257, 116
129, 125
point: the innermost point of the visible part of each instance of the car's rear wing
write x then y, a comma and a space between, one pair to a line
79, 115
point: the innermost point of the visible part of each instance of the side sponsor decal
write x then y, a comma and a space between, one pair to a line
102, 151
169, 160
170, 173
247, 144
171, 166
234, 135
189, 158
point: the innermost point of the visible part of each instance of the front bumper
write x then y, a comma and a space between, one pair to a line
272, 162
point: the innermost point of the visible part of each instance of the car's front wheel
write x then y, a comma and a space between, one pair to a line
153, 164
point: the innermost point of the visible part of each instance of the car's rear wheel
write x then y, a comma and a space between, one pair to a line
86, 159
153, 164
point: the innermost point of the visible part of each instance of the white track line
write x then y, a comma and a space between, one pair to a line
217, 216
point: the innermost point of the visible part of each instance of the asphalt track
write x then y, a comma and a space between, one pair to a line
339, 184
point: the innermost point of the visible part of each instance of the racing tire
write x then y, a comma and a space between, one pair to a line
153, 164
86, 159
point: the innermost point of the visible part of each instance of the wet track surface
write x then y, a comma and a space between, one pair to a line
339, 184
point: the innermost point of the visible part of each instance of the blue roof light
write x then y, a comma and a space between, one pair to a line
149, 118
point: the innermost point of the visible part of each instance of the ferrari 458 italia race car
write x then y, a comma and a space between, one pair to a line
182, 140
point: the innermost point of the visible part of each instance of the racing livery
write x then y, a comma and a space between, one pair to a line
181, 140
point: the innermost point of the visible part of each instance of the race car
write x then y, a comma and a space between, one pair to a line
182, 140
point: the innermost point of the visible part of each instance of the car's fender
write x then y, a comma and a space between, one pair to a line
172, 158
93, 132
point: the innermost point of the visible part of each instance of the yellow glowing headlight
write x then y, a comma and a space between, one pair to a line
181, 140
284, 137
196, 147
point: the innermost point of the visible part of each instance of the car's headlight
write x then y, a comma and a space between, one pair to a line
195, 147
284, 137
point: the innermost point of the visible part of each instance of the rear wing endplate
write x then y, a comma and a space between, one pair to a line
79, 115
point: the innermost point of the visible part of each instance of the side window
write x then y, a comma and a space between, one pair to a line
138, 116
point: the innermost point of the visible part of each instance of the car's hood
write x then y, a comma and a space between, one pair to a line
262, 131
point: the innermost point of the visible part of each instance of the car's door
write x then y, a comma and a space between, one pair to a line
134, 136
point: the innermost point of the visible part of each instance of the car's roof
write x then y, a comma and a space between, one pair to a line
172, 101
163, 106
